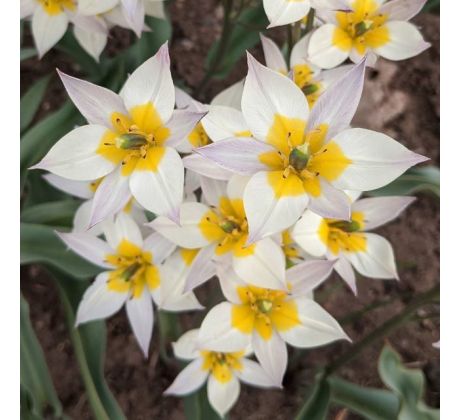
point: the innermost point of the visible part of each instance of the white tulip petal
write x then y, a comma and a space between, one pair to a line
377, 261
222, 122
98, 301
92, 42
299, 54
303, 278
111, 197
213, 190
273, 56
406, 41
376, 159
266, 94
27, 8
123, 228
337, 105
201, 269
206, 167
189, 380
88, 247
188, 234
316, 327
80, 189
345, 270
95, 7
253, 374
218, 334
306, 234
402, 9
92, 24
230, 96
328, 77
266, 213
160, 191
81, 220
140, 315
223, 395
272, 356
331, 203
95, 103
380, 210
322, 51
265, 267
134, 13
185, 347
74, 155
237, 154
283, 12
159, 247
181, 124
47, 29
229, 282
152, 82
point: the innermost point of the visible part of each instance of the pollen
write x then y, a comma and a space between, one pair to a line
133, 270
221, 365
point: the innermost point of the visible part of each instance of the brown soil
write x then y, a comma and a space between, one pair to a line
400, 99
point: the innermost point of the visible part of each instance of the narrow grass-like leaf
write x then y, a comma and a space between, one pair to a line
89, 344
27, 53
37, 390
57, 213
317, 405
40, 244
31, 100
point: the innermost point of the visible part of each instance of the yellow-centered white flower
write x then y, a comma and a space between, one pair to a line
367, 27
134, 276
267, 319
50, 19
220, 231
129, 141
299, 158
349, 240
223, 372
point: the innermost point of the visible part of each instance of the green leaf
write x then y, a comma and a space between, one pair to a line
371, 403
244, 36
37, 389
40, 244
89, 343
27, 53
423, 179
31, 100
197, 407
58, 213
407, 384
317, 405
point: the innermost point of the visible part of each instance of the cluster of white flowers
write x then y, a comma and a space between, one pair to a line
260, 189
92, 20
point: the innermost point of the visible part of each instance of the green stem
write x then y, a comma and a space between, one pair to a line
385, 328
221, 49
93, 396
310, 20
169, 331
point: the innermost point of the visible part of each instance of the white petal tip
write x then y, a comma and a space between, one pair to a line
174, 216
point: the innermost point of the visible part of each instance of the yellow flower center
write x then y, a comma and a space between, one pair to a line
134, 270
55, 7
198, 137
227, 225
262, 310
136, 141
362, 28
343, 236
303, 78
301, 158
221, 365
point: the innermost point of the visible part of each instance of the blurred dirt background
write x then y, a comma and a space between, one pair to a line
401, 100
